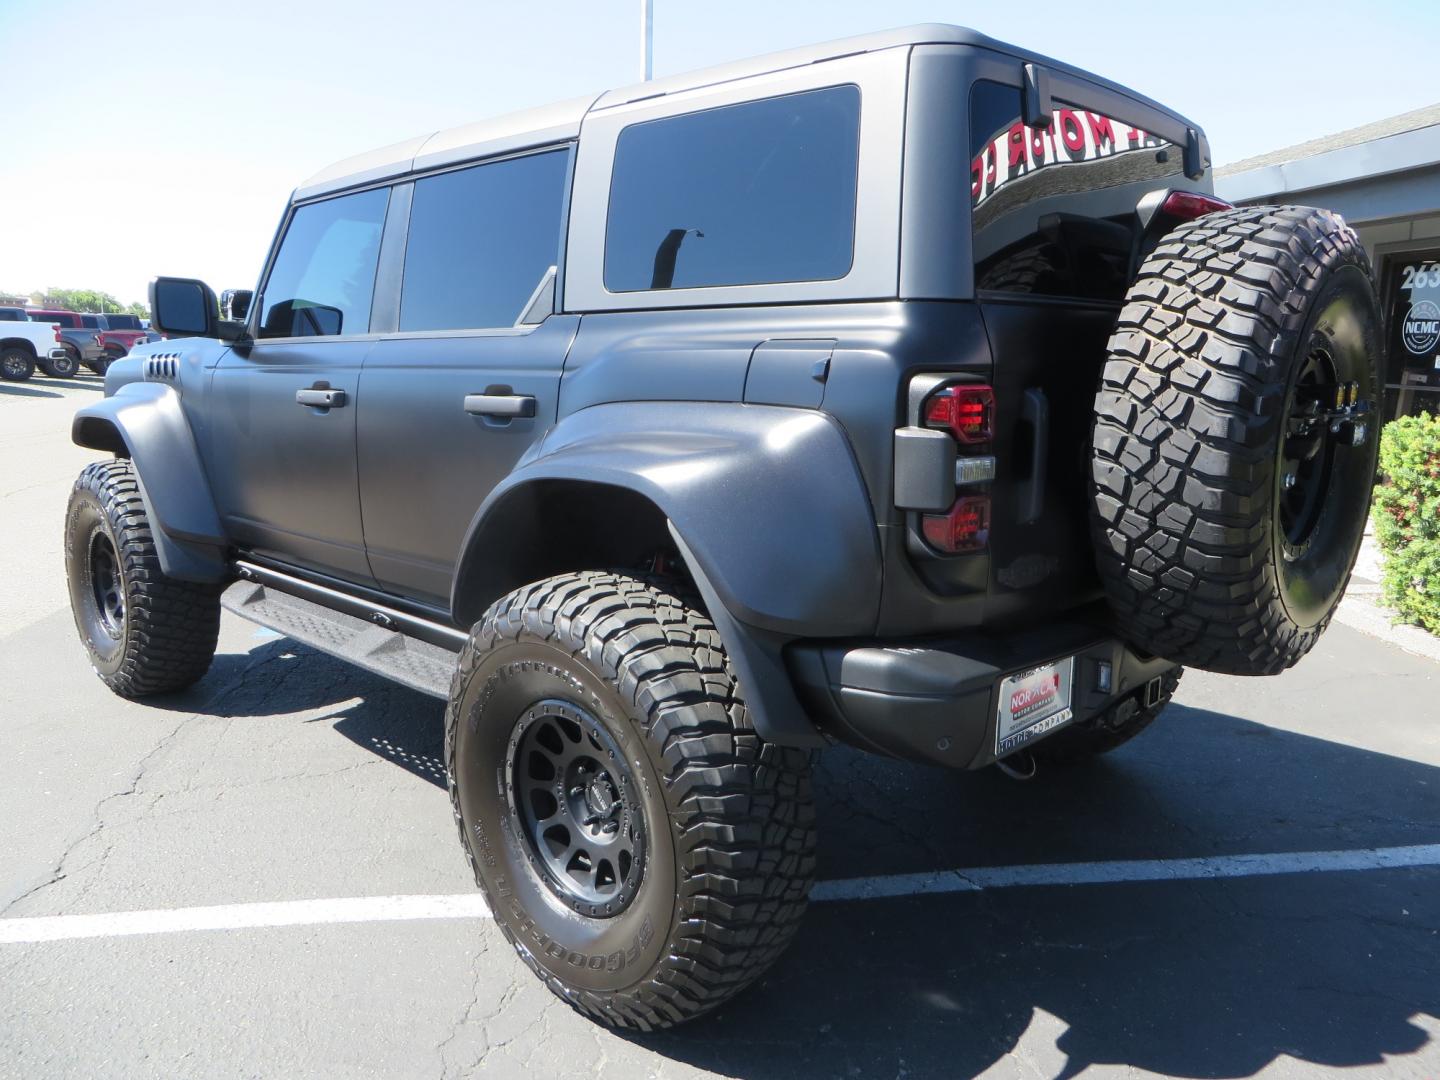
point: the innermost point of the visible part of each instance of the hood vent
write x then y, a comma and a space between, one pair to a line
162, 367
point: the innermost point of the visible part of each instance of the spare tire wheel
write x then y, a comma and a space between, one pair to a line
1235, 438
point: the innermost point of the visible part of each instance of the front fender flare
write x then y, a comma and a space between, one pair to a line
145, 422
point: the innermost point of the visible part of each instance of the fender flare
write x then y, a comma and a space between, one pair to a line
766, 505
145, 422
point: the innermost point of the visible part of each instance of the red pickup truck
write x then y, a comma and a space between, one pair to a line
118, 335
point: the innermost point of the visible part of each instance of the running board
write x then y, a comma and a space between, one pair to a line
366, 643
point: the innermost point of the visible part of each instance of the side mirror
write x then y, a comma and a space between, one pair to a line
235, 304
186, 307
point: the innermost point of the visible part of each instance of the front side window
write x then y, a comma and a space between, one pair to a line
1053, 209
749, 194
480, 241
323, 278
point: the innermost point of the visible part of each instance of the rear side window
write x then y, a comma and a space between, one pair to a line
90, 322
123, 322
323, 277
1053, 209
748, 194
480, 241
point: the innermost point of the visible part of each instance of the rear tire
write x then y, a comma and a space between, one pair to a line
1226, 516
595, 723
16, 365
146, 633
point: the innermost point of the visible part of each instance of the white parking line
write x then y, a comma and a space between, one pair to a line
360, 909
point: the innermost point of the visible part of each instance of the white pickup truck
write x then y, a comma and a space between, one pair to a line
23, 344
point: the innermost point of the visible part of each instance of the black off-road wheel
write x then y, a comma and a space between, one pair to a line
146, 633
1235, 438
1109, 731
644, 850
16, 364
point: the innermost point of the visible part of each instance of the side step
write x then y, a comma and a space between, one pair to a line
398, 657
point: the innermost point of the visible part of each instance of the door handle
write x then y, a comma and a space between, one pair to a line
320, 397
506, 405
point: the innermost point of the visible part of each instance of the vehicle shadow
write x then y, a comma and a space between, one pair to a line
1212, 978
1207, 978
94, 382
18, 390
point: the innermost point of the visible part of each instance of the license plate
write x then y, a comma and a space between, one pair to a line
1033, 703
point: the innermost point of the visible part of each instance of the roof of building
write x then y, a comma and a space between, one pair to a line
1398, 144
552, 123
1379, 129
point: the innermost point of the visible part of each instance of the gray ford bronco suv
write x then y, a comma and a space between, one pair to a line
910, 391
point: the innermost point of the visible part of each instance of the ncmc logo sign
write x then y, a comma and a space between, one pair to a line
1421, 327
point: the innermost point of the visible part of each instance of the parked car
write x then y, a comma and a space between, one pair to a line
82, 344
118, 335
25, 343
911, 391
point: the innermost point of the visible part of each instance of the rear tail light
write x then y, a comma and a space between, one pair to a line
966, 411
1189, 205
58, 338
964, 528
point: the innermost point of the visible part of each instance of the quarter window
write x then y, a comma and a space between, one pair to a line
323, 278
480, 241
748, 194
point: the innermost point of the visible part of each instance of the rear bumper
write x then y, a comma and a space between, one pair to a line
935, 701
57, 353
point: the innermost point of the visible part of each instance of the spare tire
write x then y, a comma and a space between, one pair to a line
1234, 439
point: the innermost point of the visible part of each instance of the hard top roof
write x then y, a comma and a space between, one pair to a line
553, 123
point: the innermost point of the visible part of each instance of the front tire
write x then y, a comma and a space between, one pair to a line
145, 633
644, 850
63, 367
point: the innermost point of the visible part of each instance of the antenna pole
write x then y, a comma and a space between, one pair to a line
647, 39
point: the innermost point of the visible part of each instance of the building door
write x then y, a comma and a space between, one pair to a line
1412, 361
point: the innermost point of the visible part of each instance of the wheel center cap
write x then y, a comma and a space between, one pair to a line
600, 795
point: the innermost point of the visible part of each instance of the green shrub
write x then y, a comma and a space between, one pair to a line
1407, 518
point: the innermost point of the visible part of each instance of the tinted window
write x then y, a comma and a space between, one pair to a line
324, 274
480, 241
90, 321
123, 322
12, 315
741, 195
1054, 209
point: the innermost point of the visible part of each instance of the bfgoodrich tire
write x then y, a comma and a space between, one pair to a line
647, 854
1233, 453
146, 633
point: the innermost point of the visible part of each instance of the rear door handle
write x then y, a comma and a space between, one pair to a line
320, 397
506, 405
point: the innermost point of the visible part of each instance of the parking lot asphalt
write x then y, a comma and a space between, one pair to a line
1251, 887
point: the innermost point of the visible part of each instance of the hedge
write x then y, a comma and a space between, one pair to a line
1407, 518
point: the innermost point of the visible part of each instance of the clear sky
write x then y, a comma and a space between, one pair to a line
163, 136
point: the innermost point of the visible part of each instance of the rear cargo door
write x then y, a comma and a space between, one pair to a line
1054, 234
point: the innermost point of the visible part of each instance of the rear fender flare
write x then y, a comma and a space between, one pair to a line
766, 505
145, 422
